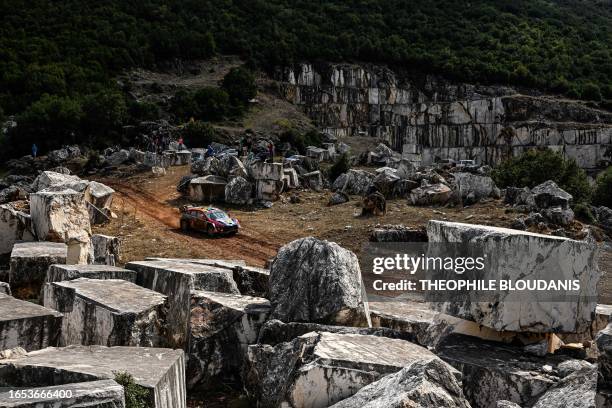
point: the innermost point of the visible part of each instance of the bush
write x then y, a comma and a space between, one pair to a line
603, 188
536, 166
341, 165
211, 103
591, 92
583, 212
136, 396
301, 141
239, 83
144, 111
198, 134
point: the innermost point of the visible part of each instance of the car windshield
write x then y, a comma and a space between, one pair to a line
217, 215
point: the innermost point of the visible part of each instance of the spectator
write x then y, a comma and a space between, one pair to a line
34, 150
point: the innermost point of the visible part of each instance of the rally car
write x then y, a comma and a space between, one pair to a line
210, 220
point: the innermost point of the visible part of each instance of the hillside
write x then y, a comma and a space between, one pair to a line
74, 50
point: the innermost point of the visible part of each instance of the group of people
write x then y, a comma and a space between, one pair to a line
246, 147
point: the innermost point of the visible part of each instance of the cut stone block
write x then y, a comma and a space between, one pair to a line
266, 171
104, 249
5, 288
221, 328
63, 217
319, 369
92, 394
100, 196
267, 190
182, 158
604, 345
313, 180
160, 371
493, 371
177, 281
251, 280
57, 273
54, 180
27, 325
290, 178
207, 189
513, 255
29, 263
110, 312
15, 226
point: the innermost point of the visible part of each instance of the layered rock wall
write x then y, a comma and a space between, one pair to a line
427, 118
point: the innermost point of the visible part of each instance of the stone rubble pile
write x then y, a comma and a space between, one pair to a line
303, 334
545, 203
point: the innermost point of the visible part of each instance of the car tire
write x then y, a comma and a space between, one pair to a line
210, 230
184, 226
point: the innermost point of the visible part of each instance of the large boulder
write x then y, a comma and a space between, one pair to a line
385, 181
29, 264
118, 158
423, 384
472, 187
353, 182
513, 256
313, 180
604, 345
58, 181
238, 191
382, 154
577, 390
318, 369
63, 217
205, 167
433, 194
104, 250
312, 280
548, 195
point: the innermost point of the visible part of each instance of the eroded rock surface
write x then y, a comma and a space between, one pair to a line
317, 281
29, 263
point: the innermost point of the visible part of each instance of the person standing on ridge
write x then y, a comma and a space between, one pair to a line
34, 150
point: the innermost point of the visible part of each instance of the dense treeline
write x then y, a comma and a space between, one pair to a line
65, 54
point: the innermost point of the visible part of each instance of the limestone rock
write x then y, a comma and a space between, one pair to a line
319, 369
473, 188
354, 182
110, 312
100, 197
62, 217
137, 156
313, 180
506, 404
542, 257
338, 198
604, 345
50, 179
29, 263
268, 190
238, 191
221, 328
426, 384
385, 182
493, 371
57, 273
207, 189
92, 394
27, 325
104, 249
434, 194
577, 390
205, 167
548, 195
118, 157
316, 281
182, 158
398, 233
160, 371
266, 171
15, 226
178, 281
5, 288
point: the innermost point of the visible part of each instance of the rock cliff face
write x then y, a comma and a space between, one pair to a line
427, 118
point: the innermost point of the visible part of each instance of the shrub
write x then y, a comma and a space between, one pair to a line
536, 166
341, 165
603, 188
144, 111
211, 103
136, 396
198, 134
300, 141
239, 83
583, 212
591, 92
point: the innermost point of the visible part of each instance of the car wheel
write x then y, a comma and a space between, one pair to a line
184, 225
210, 230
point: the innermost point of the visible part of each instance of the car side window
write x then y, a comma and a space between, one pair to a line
201, 216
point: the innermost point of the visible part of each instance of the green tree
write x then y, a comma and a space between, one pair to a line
199, 134
603, 188
239, 83
537, 166
591, 92
212, 103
